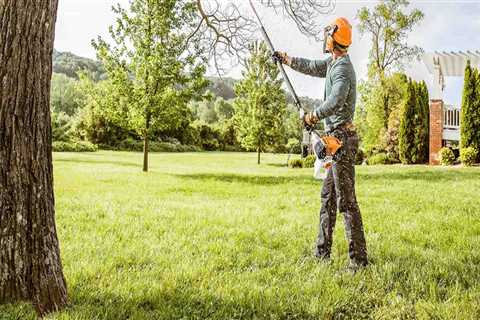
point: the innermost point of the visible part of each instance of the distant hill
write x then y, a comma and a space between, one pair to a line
69, 64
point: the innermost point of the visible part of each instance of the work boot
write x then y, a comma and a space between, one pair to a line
355, 266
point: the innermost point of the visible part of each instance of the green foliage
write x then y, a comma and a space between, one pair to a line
74, 146
295, 163
228, 135
104, 118
61, 127
209, 137
309, 161
260, 106
406, 135
389, 24
224, 109
379, 158
377, 111
153, 65
447, 157
65, 95
71, 65
294, 146
421, 122
468, 156
470, 113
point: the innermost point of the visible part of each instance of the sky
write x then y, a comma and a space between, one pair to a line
447, 26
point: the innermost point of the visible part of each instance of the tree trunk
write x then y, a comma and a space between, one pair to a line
145, 142
30, 265
258, 156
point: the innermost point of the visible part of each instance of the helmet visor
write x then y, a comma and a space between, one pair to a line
328, 34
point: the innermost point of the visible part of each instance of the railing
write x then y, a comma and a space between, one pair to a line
451, 123
451, 117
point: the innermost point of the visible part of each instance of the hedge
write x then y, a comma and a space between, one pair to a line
74, 146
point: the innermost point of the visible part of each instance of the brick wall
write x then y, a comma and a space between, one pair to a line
436, 130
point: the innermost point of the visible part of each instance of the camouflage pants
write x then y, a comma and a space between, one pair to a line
338, 192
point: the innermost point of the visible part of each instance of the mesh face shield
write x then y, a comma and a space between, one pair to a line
328, 41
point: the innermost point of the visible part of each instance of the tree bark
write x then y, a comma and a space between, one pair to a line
145, 142
258, 156
30, 265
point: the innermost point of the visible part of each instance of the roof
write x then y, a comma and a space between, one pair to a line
452, 64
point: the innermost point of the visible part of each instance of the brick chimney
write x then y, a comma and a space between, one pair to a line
436, 131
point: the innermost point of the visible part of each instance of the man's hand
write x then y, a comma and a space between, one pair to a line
311, 118
281, 57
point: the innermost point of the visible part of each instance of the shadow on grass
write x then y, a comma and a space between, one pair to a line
100, 162
401, 174
183, 301
248, 179
277, 165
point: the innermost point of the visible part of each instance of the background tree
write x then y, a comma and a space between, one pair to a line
370, 114
406, 135
388, 25
260, 106
421, 122
153, 63
225, 27
470, 113
65, 96
30, 265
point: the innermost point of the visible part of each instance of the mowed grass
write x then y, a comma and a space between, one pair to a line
215, 236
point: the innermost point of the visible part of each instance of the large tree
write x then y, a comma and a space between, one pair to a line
260, 106
153, 63
30, 265
388, 24
226, 27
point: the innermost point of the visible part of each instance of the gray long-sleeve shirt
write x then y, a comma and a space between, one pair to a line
340, 92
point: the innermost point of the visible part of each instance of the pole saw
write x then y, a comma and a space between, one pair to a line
329, 145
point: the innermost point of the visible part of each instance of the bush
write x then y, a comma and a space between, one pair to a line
468, 156
130, 144
293, 146
295, 163
77, 146
309, 161
379, 158
61, 127
446, 156
209, 136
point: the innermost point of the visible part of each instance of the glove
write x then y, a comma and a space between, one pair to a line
281, 57
311, 118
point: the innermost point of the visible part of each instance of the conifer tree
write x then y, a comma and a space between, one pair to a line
406, 134
470, 98
260, 106
421, 123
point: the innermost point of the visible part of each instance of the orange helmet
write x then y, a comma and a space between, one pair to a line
338, 34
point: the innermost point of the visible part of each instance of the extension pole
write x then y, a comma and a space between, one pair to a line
297, 102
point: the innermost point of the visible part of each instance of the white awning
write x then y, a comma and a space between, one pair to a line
452, 64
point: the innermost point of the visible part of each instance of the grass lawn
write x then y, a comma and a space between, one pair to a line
214, 236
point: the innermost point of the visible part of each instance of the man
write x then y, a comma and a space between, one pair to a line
337, 110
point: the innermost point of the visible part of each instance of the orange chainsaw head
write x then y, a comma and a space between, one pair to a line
332, 144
